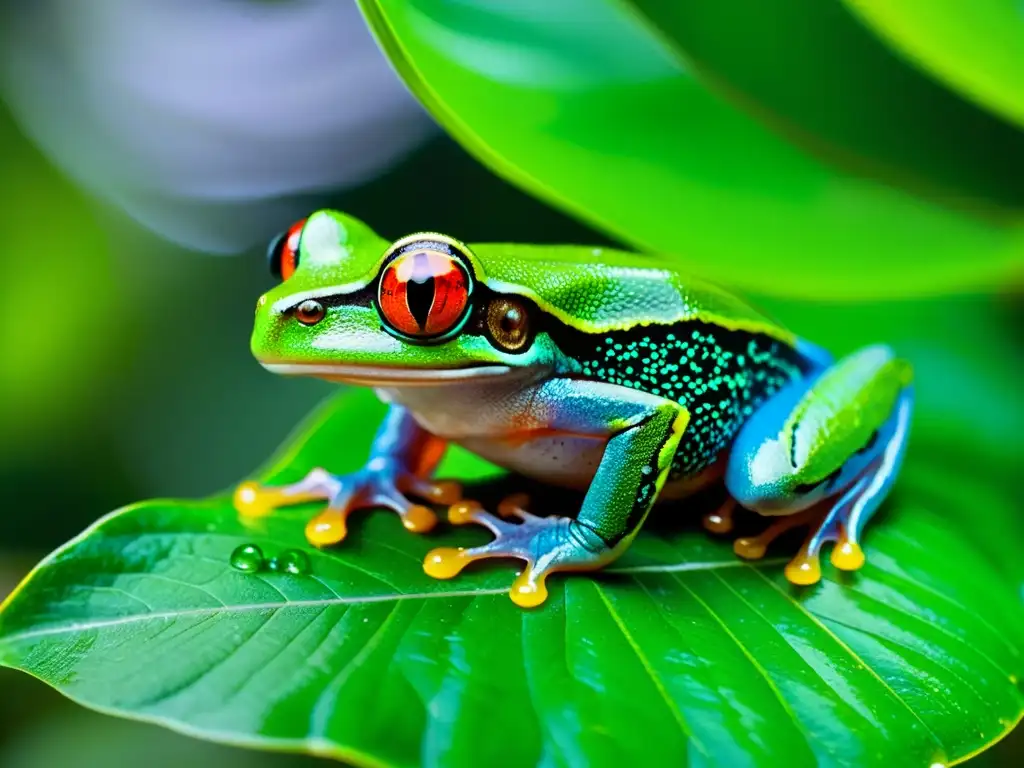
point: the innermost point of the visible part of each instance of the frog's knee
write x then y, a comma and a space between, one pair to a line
814, 437
762, 478
762, 465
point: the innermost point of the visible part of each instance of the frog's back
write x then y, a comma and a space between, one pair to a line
600, 289
635, 322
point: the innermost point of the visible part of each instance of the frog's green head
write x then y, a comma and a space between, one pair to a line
353, 307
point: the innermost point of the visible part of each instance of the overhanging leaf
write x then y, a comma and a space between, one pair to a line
591, 108
812, 71
977, 47
682, 655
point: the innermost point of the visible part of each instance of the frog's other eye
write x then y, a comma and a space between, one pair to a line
508, 324
283, 251
423, 293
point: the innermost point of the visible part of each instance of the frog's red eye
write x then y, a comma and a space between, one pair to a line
423, 293
283, 253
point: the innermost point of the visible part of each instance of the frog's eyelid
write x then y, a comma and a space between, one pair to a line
437, 242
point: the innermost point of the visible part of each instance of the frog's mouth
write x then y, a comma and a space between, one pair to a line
383, 376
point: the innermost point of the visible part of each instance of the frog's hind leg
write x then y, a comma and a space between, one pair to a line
825, 449
401, 460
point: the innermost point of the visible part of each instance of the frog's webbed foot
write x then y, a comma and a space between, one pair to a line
546, 544
382, 483
805, 568
832, 522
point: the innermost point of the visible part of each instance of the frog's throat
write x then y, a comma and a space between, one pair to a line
378, 375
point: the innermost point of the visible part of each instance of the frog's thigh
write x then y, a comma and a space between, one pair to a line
839, 434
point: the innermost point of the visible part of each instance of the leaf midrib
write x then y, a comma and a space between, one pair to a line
336, 600
239, 608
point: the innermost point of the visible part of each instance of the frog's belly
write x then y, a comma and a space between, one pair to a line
569, 461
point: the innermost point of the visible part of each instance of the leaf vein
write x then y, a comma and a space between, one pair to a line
319, 717
670, 703
750, 656
889, 689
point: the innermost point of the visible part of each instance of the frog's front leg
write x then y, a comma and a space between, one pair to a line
402, 458
824, 450
642, 432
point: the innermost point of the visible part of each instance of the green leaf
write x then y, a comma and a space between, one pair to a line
976, 47
813, 72
681, 655
587, 105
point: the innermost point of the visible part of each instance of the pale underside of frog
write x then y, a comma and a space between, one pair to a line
592, 369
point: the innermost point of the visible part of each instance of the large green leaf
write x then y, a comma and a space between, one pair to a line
681, 655
819, 76
977, 47
589, 106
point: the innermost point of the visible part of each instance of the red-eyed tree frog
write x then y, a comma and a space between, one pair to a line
588, 368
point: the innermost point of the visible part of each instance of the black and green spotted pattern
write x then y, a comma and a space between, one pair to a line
720, 376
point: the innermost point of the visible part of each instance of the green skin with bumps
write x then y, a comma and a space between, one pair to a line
583, 367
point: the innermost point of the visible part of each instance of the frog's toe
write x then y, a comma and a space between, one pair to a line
847, 554
253, 500
805, 568
466, 512
720, 520
545, 544
327, 528
833, 522
754, 547
393, 491
514, 506
436, 491
417, 518
365, 491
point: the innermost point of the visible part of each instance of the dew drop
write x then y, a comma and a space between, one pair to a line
293, 561
248, 558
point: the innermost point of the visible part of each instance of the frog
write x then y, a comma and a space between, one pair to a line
612, 373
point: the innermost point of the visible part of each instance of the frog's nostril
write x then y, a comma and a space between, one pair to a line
310, 312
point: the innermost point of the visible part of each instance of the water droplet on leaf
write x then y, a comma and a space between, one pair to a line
293, 561
248, 558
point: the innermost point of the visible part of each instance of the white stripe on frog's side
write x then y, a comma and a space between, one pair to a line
382, 375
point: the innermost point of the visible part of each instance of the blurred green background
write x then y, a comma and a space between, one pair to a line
125, 374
